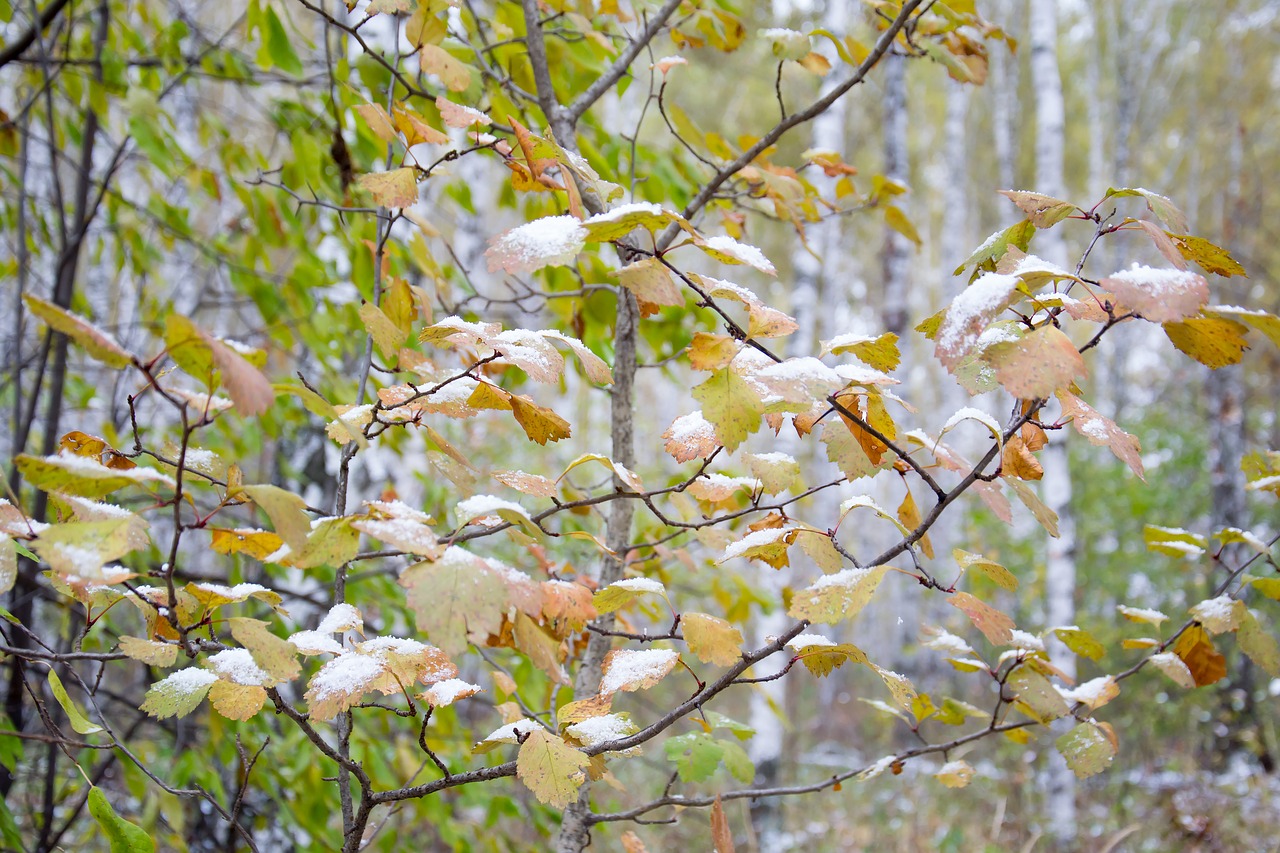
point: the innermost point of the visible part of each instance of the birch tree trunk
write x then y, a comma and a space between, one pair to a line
810, 275
1060, 569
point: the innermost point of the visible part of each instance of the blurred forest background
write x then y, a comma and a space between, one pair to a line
1177, 96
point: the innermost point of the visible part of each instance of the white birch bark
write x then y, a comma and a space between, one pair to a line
810, 273
1060, 569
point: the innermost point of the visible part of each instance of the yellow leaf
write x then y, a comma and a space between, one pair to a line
438, 61
550, 768
378, 121
1197, 651
1212, 341
540, 424
711, 640
995, 626
396, 188
1041, 363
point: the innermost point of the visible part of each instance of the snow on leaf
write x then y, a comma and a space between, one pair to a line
714, 488
510, 733
400, 526
690, 436
1159, 295
78, 475
1033, 271
550, 768
801, 380
99, 344
728, 250
769, 545
1100, 431
1268, 324
731, 404
1164, 209
1042, 210
395, 189
997, 573
454, 597
444, 693
995, 626
763, 321
488, 506
970, 414
1093, 693
629, 670
1172, 666
594, 731
1141, 614
882, 353
955, 774
529, 484
1088, 749
1081, 642
1213, 341
785, 43
949, 644
593, 365
549, 241
867, 502
179, 694
666, 63
834, 597
776, 472
711, 640
622, 220
1174, 541
969, 313
530, 352
620, 593
1041, 363
1219, 615
239, 667
457, 115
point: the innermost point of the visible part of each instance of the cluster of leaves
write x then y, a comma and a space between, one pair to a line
1022, 326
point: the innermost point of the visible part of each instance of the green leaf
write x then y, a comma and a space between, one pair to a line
731, 405
1087, 749
696, 755
278, 46
123, 836
9, 832
78, 720
93, 340
1259, 644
